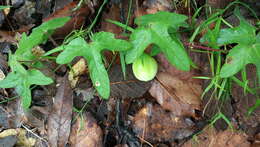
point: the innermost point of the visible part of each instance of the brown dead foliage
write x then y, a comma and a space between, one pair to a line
86, 132
59, 120
78, 18
227, 138
178, 96
154, 124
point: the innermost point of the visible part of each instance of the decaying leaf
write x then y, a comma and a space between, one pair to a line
227, 138
176, 95
129, 88
22, 139
59, 120
154, 6
78, 18
77, 69
2, 75
86, 132
148, 124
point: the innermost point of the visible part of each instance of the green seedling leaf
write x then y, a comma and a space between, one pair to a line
4, 7
22, 83
92, 53
38, 36
239, 57
10, 81
38, 78
210, 38
20, 78
243, 34
140, 39
155, 50
247, 51
154, 29
168, 19
254, 107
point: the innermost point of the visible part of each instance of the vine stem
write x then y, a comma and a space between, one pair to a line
192, 45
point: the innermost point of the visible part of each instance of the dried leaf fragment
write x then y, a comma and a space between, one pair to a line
227, 138
77, 69
59, 121
176, 95
148, 124
22, 139
86, 132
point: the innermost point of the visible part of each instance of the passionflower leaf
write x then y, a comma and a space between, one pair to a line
92, 53
154, 29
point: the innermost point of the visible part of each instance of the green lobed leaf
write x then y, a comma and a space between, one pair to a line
140, 39
39, 35
104, 39
38, 78
169, 19
171, 47
211, 37
15, 65
77, 47
10, 81
154, 29
92, 53
22, 82
155, 50
247, 51
239, 57
258, 38
20, 78
23, 89
244, 33
4, 7
98, 75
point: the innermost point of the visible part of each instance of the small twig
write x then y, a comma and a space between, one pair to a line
27, 129
203, 47
123, 82
53, 41
145, 141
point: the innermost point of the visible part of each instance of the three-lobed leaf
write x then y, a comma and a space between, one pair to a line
22, 83
245, 33
168, 19
92, 53
238, 57
245, 52
154, 29
20, 78
38, 36
140, 39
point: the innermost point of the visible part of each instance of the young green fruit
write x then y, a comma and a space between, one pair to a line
145, 68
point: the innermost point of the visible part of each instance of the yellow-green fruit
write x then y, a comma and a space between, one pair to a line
145, 68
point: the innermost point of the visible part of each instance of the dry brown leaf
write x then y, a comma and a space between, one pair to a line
244, 101
154, 6
77, 18
129, 88
77, 69
227, 138
173, 94
59, 120
2, 75
148, 125
22, 139
86, 132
